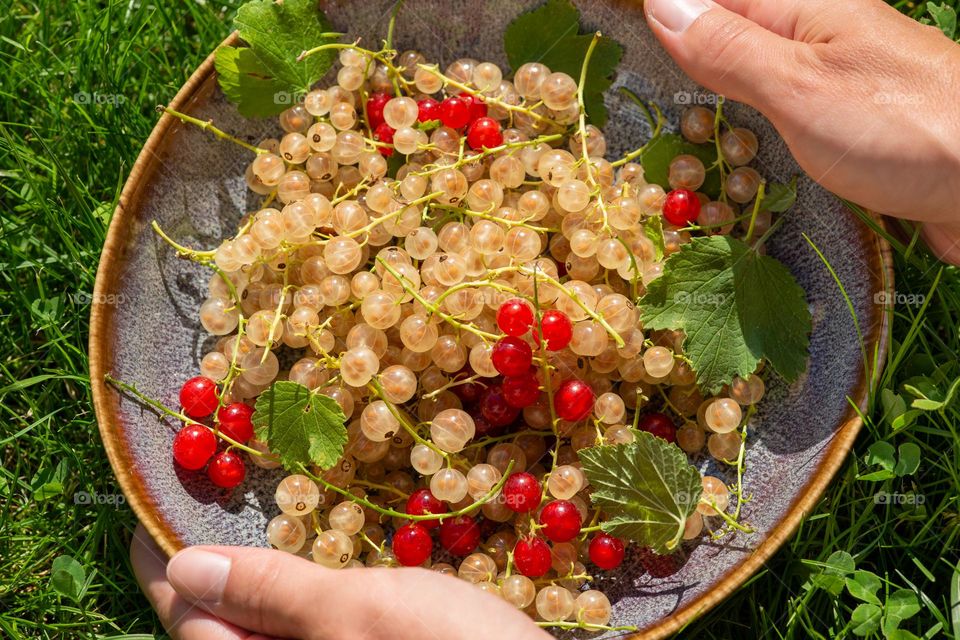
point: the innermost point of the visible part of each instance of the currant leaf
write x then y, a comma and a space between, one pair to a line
300, 426
735, 307
647, 488
551, 34
780, 197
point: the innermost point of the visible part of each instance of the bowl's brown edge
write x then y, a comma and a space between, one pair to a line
106, 403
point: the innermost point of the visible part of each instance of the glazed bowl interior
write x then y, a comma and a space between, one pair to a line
193, 185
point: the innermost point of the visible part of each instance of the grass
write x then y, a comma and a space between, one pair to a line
63, 160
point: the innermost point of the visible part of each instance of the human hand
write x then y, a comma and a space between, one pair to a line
865, 97
236, 593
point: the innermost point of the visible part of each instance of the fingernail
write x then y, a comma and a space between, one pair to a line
676, 15
198, 575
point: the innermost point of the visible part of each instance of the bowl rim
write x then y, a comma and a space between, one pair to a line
106, 403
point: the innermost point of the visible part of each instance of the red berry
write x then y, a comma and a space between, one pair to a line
236, 421
573, 401
375, 104
478, 108
511, 356
658, 424
384, 133
522, 492
681, 207
532, 557
606, 551
557, 330
412, 545
515, 317
484, 133
561, 521
454, 112
226, 470
460, 535
422, 502
193, 446
198, 397
495, 409
427, 110
521, 391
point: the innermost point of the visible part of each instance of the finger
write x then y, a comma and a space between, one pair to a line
723, 50
180, 618
807, 21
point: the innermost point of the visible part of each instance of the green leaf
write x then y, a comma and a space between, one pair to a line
894, 405
865, 619
266, 78
883, 454
300, 426
780, 197
900, 634
863, 585
67, 577
735, 307
551, 34
662, 150
647, 488
945, 18
955, 601
838, 565
653, 229
929, 396
49, 482
902, 604
909, 460
906, 420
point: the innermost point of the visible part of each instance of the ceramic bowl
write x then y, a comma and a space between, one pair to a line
145, 329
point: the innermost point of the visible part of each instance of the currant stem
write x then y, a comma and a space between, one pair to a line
203, 257
377, 390
585, 625
657, 127
207, 125
761, 192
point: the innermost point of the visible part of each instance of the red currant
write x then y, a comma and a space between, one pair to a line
515, 317
521, 391
522, 492
427, 110
236, 421
226, 470
561, 521
375, 104
532, 558
198, 397
412, 545
557, 330
193, 446
573, 401
658, 424
606, 551
484, 133
478, 108
495, 409
511, 356
681, 207
421, 502
454, 112
384, 133
460, 535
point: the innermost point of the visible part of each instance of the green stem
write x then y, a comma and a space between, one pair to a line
207, 125
756, 210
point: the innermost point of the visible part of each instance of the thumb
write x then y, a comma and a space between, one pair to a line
724, 51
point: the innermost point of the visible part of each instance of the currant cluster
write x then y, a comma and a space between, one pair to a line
473, 314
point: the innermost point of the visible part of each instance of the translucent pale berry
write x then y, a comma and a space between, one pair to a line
515, 317
561, 521
375, 104
681, 207
521, 492
521, 391
193, 446
198, 397
412, 545
460, 535
454, 112
495, 409
606, 551
658, 424
427, 110
512, 356
557, 330
484, 133
422, 502
531, 557
226, 470
573, 400
236, 421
